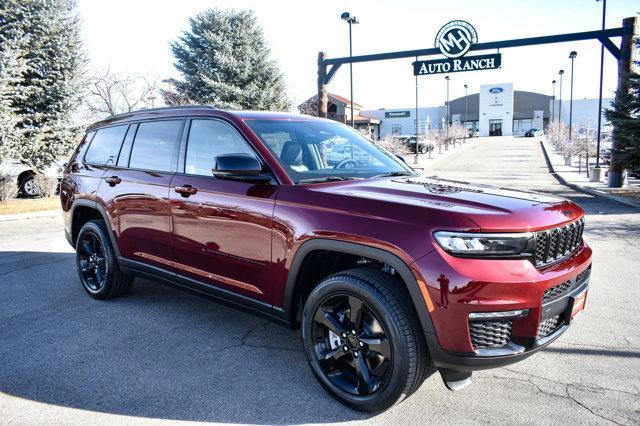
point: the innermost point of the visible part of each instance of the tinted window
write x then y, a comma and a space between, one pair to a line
155, 145
125, 152
207, 140
105, 146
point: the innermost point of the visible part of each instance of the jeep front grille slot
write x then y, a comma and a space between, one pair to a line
557, 243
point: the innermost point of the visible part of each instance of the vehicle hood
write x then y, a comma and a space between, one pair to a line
491, 208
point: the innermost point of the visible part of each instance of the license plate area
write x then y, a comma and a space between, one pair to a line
567, 307
578, 303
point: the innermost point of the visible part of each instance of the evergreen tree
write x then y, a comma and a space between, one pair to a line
625, 118
43, 86
224, 61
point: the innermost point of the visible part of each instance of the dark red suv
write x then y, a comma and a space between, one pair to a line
389, 275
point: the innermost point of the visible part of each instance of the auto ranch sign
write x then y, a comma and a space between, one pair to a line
454, 40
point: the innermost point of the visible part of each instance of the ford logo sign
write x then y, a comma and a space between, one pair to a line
496, 90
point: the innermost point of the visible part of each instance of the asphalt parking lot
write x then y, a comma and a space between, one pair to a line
161, 354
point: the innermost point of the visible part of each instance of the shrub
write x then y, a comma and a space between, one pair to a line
394, 146
45, 185
8, 188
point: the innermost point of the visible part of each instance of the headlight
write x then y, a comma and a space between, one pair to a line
479, 244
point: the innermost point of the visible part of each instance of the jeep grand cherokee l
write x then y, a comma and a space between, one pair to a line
389, 275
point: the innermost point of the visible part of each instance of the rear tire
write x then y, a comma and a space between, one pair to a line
97, 264
383, 359
27, 187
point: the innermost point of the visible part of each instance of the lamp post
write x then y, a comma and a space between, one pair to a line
346, 16
572, 56
466, 86
446, 145
553, 101
417, 159
597, 172
560, 73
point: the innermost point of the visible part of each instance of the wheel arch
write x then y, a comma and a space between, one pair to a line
293, 287
83, 211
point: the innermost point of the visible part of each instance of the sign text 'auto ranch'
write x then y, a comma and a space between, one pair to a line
469, 63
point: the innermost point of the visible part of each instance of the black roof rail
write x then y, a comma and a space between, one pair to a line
159, 109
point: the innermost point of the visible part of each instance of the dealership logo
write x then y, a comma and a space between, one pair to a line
455, 38
496, 90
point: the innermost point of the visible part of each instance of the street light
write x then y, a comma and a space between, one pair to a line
465, 111
560, 73
572, 56
553, 102
346, 16
597, 169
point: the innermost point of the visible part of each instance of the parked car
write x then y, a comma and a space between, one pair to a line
474, 133
533, 133
390, 275
23, 175
426, 146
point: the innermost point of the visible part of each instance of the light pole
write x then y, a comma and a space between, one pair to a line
417, 132
346, 16
446, 146
560, 73
553, 102
597, 169
466, 86
572, 56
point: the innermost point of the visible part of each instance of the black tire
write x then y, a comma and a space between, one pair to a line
424, 149
386, 301
93, 239
27, 187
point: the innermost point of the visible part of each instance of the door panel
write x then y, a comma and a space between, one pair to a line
221, 228
222, 233
140, 204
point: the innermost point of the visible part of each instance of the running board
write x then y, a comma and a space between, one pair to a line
455, 380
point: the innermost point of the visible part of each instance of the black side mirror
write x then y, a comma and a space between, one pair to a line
240, 167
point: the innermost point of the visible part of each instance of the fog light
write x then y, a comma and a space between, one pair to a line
498, 315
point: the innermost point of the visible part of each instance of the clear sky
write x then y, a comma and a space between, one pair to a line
133, 36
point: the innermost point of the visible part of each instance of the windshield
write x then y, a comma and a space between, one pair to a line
316, 150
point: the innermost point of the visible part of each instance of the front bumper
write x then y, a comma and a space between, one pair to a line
458, 287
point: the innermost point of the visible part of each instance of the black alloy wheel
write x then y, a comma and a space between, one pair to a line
97, 263
92, 262
351, 344
362, 339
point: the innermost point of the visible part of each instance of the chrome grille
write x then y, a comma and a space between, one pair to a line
490, 334
554, 244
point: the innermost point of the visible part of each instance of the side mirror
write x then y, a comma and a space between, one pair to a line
240, 167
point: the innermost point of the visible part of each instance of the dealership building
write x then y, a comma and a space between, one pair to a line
497, 110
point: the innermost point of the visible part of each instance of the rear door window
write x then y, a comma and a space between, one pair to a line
155, 146
105, 146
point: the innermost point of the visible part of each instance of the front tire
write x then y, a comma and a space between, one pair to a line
28, 187
363, 340
97, 264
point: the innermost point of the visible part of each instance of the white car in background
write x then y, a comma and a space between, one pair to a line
23, 175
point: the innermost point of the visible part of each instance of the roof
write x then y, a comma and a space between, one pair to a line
333, 97
201, 110
362, 119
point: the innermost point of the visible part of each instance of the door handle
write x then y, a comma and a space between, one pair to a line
185, 190
113, 180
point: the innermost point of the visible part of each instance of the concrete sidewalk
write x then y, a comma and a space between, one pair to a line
568, 175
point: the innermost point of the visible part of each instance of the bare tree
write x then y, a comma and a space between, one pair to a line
111, 93
583, 144
394, 145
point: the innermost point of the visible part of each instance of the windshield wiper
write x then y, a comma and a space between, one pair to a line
393, 174
326, 179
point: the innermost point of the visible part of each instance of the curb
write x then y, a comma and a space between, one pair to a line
30, 215
582, 189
